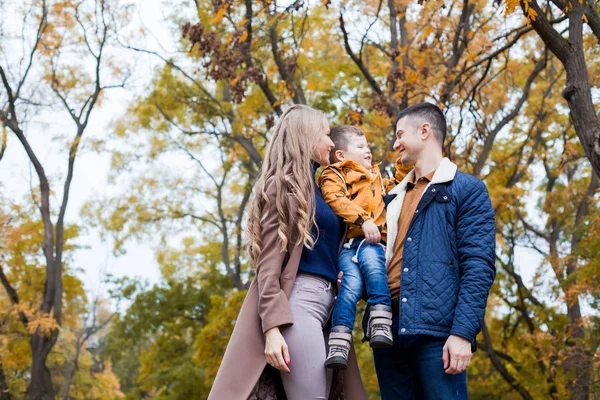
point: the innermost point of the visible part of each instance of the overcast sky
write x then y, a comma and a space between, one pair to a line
91, 169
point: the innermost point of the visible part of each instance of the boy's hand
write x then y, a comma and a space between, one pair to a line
371, 232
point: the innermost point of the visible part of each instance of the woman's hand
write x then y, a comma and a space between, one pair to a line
276, 350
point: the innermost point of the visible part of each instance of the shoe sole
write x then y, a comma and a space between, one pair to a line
379, 343
337, 363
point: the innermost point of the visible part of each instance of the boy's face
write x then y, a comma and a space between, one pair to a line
358, 150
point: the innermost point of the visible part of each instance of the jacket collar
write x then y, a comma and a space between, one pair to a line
445, 172
355, 166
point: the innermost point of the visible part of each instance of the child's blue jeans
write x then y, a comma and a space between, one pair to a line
369, 271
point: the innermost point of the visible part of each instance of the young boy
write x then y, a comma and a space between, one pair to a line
354, 189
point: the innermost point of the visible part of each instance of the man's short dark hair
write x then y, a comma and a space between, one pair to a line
340, 136
426, 113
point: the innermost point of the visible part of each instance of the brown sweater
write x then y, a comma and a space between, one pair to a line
414, 191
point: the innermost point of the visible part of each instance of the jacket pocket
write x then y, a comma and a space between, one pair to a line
439, 294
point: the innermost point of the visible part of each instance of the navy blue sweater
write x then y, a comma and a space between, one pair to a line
322, 260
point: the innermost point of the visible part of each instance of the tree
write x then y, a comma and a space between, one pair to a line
210, 108
21, 238
157, 336
571, 53
51, 75
545, 334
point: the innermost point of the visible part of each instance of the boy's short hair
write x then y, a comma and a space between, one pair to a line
340, 136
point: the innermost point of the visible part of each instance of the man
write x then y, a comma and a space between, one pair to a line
440, 265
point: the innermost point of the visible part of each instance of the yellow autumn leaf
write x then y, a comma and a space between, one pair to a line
45, 324
219, 15
510, 6
428, 30
244, 37
382, 120
532, 14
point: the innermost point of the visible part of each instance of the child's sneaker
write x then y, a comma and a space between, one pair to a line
340, 339
380, 327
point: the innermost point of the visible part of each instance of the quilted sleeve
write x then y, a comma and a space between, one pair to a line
476, 242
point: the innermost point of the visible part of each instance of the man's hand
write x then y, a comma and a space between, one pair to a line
371, 232
456, 355
276, 350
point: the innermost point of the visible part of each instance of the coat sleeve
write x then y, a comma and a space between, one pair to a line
334, 192
401, 172
273, 307
476, 245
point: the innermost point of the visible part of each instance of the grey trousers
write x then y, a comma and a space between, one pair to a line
311, 303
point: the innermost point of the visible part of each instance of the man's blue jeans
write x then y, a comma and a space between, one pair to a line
370, 271
413, 369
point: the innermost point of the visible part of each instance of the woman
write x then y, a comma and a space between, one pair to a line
294, 239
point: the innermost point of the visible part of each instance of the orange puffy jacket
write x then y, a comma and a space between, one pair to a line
356, 194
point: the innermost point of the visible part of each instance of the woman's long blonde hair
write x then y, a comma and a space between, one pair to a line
288, 161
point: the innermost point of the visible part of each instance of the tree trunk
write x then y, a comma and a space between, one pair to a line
4, 393
71, 371
579, 97
40, 387
578, 92
579, 361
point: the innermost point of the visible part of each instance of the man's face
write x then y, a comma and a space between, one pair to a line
358, 150
409, 142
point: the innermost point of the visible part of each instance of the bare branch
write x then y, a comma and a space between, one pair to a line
531, 228
591, 14
362, 42
283, 69
171, 64
491, 137
519, 32
583, 209
511, 380
371, 81
263, 83
38, 37
460, 40
3, 141
12, 295
553, 40
4, 393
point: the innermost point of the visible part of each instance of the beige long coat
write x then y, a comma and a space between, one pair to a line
266, 306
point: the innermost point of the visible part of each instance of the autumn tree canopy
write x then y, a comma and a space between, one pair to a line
517, 80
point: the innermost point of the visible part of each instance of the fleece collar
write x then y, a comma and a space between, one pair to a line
445, 172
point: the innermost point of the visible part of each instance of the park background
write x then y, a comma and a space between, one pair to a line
132, 132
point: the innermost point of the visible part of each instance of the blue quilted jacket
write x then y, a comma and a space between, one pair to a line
448, 264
